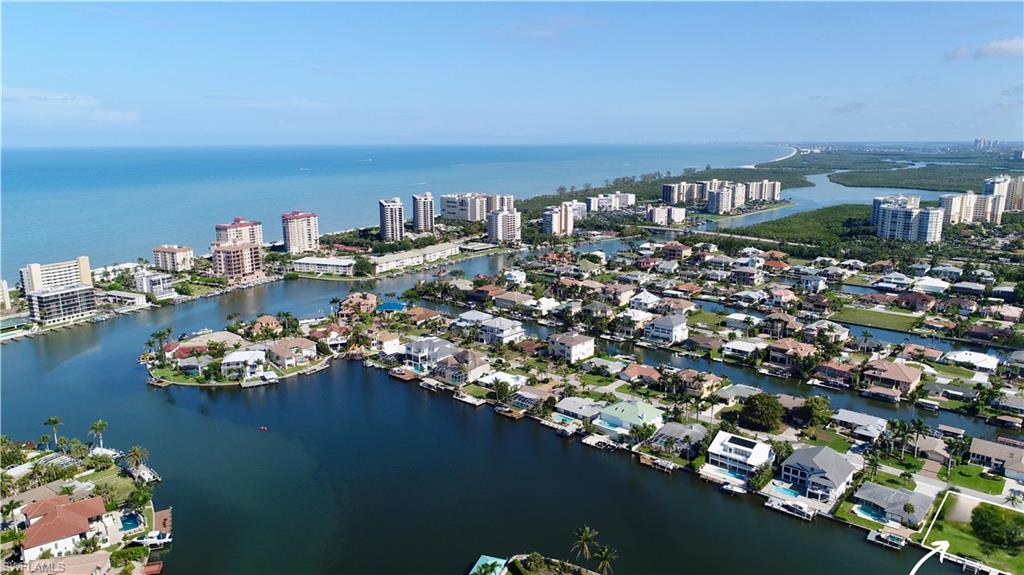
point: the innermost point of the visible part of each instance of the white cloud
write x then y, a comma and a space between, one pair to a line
1002, 48
958, 53
46, 108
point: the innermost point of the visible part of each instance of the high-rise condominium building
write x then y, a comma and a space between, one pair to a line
60, 274
504, 227
764, 191
969, 207
899, 217
468, 207
392, 220
240, 231
423, 212
558, 219
59, 292
610, 202
500, 202
238, 262
301, 231
1015, 194
579, 209
173, 258
665, 215
719, 201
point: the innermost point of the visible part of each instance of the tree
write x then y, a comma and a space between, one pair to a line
997, 526
8, 510
918, 428
641, 433
1013, 499
605, 556
486, 569
54, 422
502, 391
762, 412
585, 537
97, 429
108, 492
873, 464
817, 410
908, 507
136, 457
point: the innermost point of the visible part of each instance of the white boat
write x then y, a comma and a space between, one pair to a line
153, 539
793, 508
465, 398
730, 489
890, 540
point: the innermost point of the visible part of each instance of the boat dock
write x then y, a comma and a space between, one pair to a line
657, 463
599, 442
509, 412
890, 540
798, 510
474, 401
403, 374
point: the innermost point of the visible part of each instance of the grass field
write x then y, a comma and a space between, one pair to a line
963, 542
890, 480
969, 476
816, 436
873, 318
476, 390
909, 462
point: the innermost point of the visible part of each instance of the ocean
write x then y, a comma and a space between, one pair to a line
115, 204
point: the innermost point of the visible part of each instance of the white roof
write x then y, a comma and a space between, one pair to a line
741, 346
247, 356
753, 453
326, 261
515, 381
979, 360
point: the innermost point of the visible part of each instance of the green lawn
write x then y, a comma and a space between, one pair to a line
857, 280
953, 371
969, 476
894, 481
816, 436
170, 375
909, 462
644, 392
963, 542
595, 379
200, 289
845, 512
704, 317
873, 318
476, 390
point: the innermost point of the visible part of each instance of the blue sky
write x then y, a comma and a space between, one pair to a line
182, 74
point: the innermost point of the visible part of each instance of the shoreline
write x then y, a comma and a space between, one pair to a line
793, 150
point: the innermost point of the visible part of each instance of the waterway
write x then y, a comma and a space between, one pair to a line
359, 473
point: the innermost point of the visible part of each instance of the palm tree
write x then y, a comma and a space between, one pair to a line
1013, 498
585, 537
136, 456
44, 439
605, 556
918, 428
873, 464
96, 430
54, 422
62, 443
486, 569
8, 510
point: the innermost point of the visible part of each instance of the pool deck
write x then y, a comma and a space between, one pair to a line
774, 491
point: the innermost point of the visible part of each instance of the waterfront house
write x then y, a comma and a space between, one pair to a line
742, 321
699, 384
603, 366
581, 408
598, 310
679, 439
815, 303
820, 472
894, 282
515, 277
897, 376
931, 448
870, 300
750, 297
748, 276
859, 425
511, 300
999, 457
675, 251
855, 265
640, 372
905, 507
424, 353
702, 343
719, 262
869, 345
776, 267
829, 330
788, 352
265, 326
486, 293
645, 301
332, 334
780, 324
674, 305
570, 346
1004, 312
384, 342
511, 380
667, 329
883, 266
739, 455
915, 301
500, 330
617, 419
528, 397
57, 526
915, 352
834, 274
781, 297
420, 315
808, 283
243, 364
462, 367
291, 352
1011, 403
972, 360
471, 318
357, 303
930, 285
836, 373
742, 350
629, 321
194, 366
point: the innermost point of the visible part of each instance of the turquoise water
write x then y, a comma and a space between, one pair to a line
786, 491
129, 522
559, 418
114, 205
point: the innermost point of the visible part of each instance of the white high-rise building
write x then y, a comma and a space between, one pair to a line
173, 258
468, 207
969, 207
899, 217
74, 272
719, 201
558, 219
579, 209
764, 191
739, 194
423, 212
301, 231
240, 231
1015, 194
392, 220
610, 202
665, 215
504, 227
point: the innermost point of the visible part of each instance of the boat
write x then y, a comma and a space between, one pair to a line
316, 368
152, 539
465, 398
730, 489
890, 540
430, 385
264, 428
927, 404
798, 510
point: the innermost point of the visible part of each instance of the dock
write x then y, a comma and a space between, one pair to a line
509, 412
890, 540
158, 382
403, 374
599, 442
469, 399
657, 463
798, 510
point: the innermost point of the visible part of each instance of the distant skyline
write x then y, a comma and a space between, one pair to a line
123, 74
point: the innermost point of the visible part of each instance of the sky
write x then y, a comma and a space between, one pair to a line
127, 74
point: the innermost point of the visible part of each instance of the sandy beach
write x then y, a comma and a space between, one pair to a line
792, 152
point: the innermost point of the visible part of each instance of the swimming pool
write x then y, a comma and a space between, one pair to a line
559, 418
785, 491
130, 521
868, 513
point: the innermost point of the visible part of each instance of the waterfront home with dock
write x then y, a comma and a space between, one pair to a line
572, 347
738, 455
617, 419
887, 504
820, 472
242, 365
57, 525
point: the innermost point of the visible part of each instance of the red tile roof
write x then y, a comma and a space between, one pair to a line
58, 518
